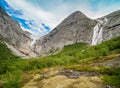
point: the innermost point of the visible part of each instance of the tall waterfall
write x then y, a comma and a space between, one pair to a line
97, 31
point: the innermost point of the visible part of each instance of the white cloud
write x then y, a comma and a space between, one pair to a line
33, 13
57, 12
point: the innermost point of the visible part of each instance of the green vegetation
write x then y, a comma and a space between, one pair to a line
5, 53
14, 70
113, 78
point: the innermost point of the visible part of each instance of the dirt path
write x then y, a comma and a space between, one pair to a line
60, 81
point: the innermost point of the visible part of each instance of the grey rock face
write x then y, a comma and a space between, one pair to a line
12, 34
112, 28
75, 28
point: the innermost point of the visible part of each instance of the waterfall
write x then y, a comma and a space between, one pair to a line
98, 30
33, 42
34, 38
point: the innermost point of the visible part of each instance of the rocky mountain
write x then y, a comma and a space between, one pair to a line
15, 38
74, 29
76, 65
79, 28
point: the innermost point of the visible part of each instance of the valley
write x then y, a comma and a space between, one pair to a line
78, 53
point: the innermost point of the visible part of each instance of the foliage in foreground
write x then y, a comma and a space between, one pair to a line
12, 68
113, 78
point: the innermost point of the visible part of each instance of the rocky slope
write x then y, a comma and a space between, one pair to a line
15, 38
79, 28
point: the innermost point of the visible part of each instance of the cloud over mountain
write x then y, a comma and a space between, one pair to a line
41, 16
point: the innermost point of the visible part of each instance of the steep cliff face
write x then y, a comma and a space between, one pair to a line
12, 34
112, 27
75, 28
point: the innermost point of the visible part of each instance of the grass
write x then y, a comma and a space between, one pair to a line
12, 69
113, 78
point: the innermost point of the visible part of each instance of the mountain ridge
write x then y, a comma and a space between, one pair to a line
79, 28
75, 28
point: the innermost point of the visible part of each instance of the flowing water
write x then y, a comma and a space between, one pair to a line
98, 30
34, 38
33, 42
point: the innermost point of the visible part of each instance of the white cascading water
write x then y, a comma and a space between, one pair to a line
34, 38
33, 42
97, 31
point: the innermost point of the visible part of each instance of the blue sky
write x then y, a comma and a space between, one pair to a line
41, 16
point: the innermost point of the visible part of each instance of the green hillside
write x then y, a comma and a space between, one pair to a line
13, 71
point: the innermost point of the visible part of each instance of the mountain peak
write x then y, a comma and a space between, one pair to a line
77, 15
73, 18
